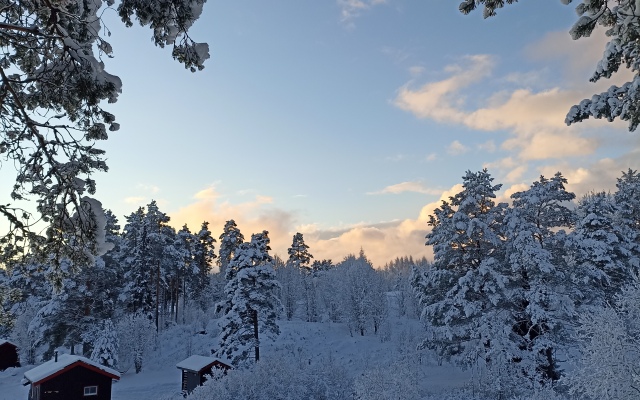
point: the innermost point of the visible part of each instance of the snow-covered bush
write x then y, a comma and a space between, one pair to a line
609, 365
277, 378
105, 349
135, 336
396, 380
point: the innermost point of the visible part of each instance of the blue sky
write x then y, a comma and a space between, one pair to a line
348, 120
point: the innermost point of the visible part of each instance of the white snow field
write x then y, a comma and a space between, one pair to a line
303, 341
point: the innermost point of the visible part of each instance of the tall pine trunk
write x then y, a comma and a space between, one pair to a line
254, 314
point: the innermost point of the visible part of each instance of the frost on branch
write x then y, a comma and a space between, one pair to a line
53, 86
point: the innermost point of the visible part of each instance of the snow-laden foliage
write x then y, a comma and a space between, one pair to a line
277, 378
600, 254
621, 21
397, 380
54, 85
203, 257
463, 294
363, 300
609, 365
540, 304
105, 348
230, 239
135, 336
251, 305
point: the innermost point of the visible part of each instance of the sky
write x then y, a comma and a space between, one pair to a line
349, 120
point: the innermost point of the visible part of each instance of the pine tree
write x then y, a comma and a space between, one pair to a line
300, 260
230, 239
54, 67
203, 257
534, 252
299, 255
252, 304
463, 294
184, 246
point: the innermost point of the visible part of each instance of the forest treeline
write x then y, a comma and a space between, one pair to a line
525, 289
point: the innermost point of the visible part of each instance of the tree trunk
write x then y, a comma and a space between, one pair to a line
157, 293
255, 334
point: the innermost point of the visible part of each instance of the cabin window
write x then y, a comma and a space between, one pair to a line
90, 390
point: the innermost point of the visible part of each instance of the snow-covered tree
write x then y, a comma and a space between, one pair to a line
463, 294
607, 337
299, 255
135, 335
362, 299
541, 306
300, 261
291, 286
252, 304
105, 348
150, 260
203, 256
54, 85
627, 199
620, 21
230, 239
599, 252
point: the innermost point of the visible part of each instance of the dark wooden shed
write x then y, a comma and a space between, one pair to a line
195, 368
8, 355
68, 377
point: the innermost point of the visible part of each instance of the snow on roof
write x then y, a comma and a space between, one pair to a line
5, 341
196, 363
64, 360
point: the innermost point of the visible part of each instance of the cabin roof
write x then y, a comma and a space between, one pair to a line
65, 362
196, 363
5, 341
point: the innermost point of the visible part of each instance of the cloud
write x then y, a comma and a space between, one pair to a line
382, 242
488, 146
350, 9
134, 200
535, 119
456, 148
431, 157
415, 187
153, 189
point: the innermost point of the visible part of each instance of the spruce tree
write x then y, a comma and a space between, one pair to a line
251, 301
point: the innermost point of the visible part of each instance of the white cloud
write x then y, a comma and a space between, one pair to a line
350, 9
431, 157
382, 242
535, 119
416, 187
488, 146
456, 148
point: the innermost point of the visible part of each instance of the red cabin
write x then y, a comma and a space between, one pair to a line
68, 377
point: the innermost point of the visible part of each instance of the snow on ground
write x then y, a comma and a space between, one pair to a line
306, 342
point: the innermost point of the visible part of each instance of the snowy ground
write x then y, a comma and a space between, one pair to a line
307, 342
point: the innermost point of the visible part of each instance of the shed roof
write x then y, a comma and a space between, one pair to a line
196, 363
65, 362
4, 341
